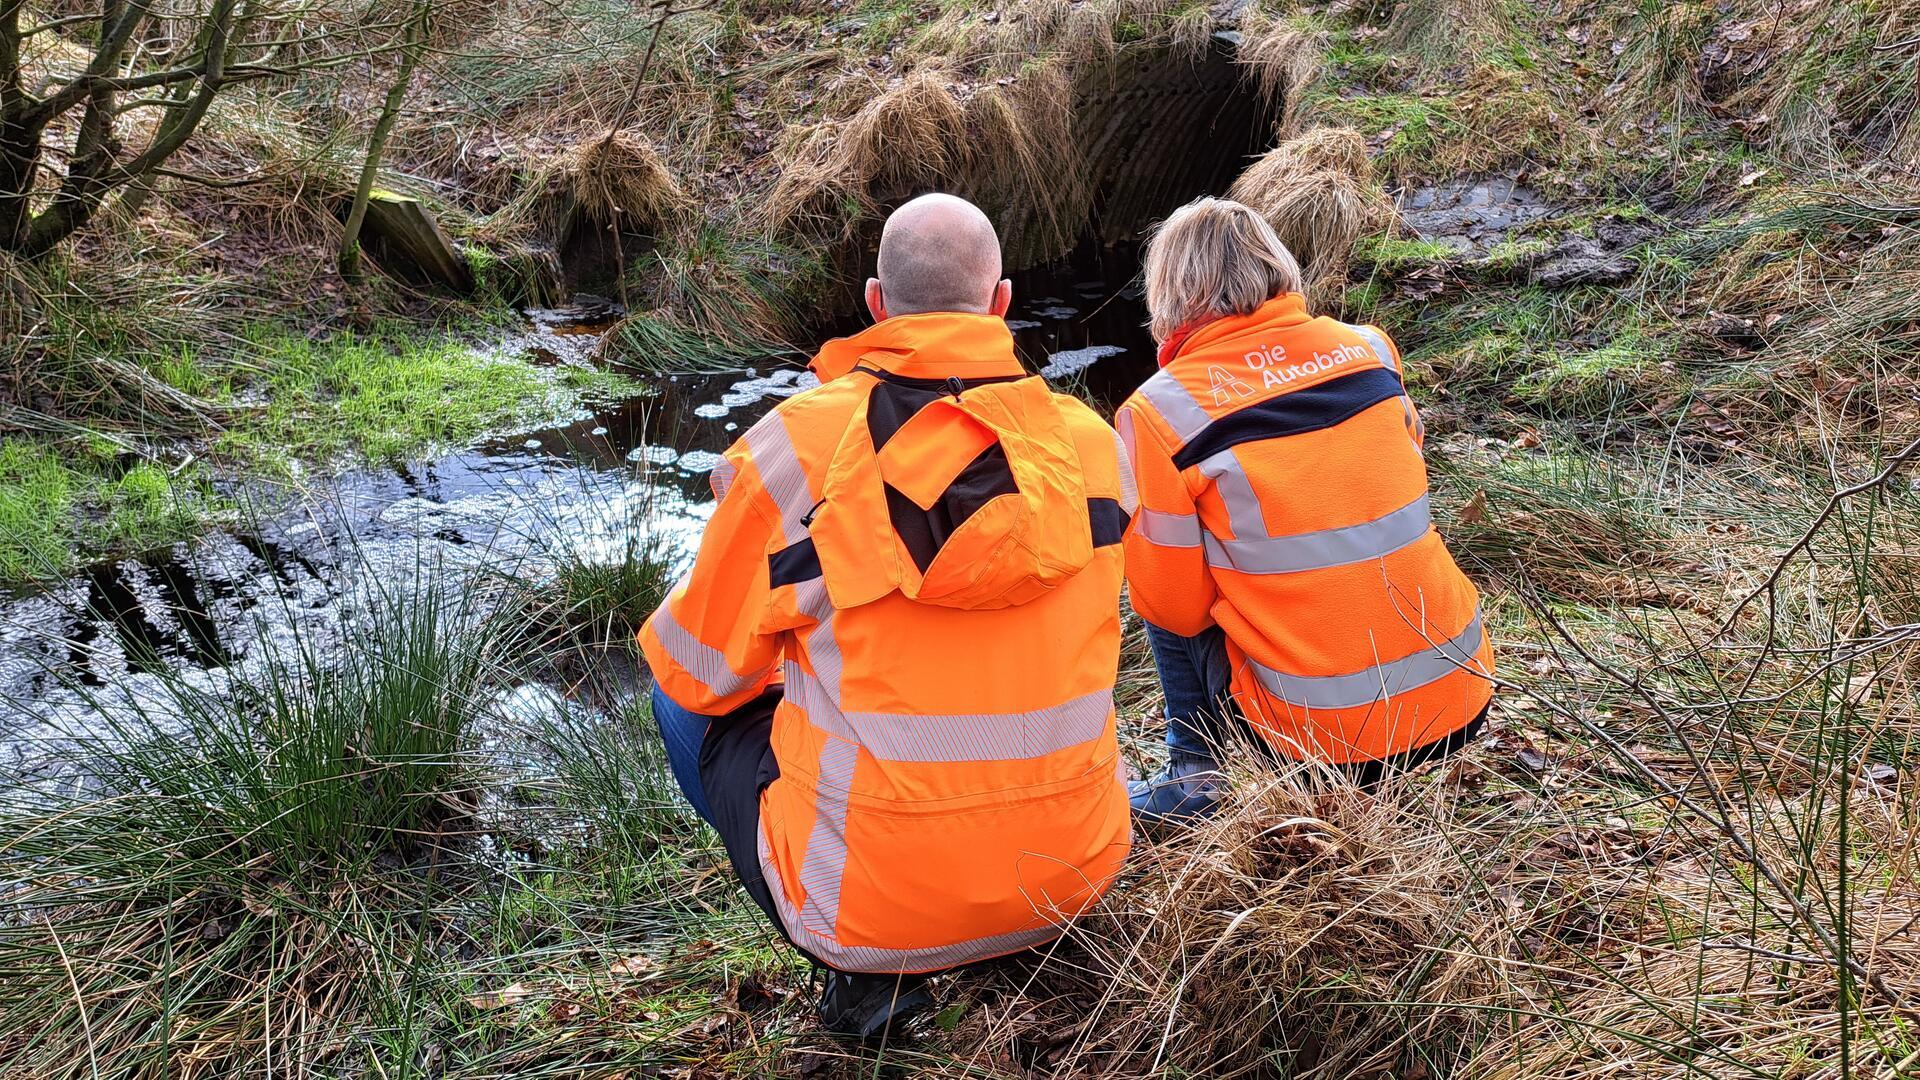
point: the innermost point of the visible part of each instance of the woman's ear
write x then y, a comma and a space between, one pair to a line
1002, 298
877, 304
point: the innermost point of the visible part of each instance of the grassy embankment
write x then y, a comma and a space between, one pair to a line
1686, 850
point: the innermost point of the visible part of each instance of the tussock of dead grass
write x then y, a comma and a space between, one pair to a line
1276, 926
1283, 60
1319, 192
617, 179
907, 133
1006, 145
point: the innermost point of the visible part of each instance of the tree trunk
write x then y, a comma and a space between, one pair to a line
19, 136
19, 165
377, 143
95, 169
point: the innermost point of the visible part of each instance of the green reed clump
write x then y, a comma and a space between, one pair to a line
224, 877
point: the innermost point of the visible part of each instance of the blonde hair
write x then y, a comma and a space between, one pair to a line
1214, 257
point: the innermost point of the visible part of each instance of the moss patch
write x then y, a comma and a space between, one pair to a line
388, 394
1393, 253
60, 506
36, 497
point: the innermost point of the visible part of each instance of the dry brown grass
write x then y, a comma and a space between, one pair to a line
617, 178
1283, 60
1477, 922
910, 133
1818, 83
1506, 117
1319, 191
1446, 31
1009, 146
1007, 37
1274, 927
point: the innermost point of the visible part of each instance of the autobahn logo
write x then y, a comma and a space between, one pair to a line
1227, 386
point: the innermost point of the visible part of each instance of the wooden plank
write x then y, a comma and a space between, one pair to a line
408, 234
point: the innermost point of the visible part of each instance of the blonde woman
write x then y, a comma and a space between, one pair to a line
1284, 556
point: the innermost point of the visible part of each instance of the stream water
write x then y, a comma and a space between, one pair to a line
514, 503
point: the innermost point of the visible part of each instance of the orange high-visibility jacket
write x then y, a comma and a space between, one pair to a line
1283, 496
926, 551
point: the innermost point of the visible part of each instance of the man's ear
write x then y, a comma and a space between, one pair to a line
1002, 298
876, 304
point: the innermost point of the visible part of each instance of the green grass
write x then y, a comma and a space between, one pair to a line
387, 395
1587, 379
1358, 60
36, 499
146, 507
305, 843
1510, 253
1411, 126
1395, 253
227, 849
330, 403
61, 505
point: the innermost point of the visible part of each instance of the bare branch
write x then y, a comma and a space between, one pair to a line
1892, 466
59, 24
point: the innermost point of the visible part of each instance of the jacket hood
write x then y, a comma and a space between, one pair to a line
957, 481
935, 344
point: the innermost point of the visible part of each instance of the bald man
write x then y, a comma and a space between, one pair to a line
938, 253
888, 680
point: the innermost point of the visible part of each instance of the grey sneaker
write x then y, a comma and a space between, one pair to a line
1187, 790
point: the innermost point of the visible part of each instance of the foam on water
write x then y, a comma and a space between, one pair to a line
1072, 361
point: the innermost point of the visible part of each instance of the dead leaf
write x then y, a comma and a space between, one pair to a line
637, 965
1475, 511
1858, 686
495, 999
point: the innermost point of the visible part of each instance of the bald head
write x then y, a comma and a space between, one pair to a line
938, 253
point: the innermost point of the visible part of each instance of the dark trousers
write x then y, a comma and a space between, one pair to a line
1196, 680
722, 764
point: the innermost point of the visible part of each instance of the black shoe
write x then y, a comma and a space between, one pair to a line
864, 1007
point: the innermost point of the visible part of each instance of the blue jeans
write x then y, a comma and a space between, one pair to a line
683, 733
1195, 678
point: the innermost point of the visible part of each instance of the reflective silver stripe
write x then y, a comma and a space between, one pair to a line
823, 649
1229, 477
1328, 547
1169, 530
780, 473
721, 479
953, 737
1177, 407
1129, 491
814, 924
827, 947
1378, 343
705, 663
1377, 683
824, 866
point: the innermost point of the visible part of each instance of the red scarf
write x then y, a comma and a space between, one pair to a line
1170, 348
